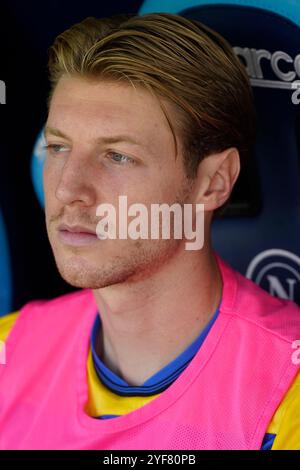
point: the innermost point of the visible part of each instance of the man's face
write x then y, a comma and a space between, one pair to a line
83, 169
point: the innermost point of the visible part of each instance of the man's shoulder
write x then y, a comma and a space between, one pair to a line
248, 301
257, 297
62, 301
6, 324
40, 310
285, 423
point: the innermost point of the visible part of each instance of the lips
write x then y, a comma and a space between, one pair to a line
76, 229
76, 235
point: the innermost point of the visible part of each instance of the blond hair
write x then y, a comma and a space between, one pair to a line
178, 59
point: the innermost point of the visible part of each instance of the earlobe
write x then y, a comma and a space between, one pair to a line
217, 175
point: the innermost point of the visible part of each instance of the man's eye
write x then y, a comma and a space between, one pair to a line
120, 158
55, 148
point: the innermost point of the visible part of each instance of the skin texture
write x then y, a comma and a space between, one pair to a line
154, 296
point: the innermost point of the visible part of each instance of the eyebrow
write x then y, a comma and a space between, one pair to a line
104, 140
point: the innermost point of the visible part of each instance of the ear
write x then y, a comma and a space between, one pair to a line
217, 174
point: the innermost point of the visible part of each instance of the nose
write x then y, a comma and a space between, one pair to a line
76, 182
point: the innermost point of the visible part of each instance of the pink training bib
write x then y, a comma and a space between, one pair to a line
224, 399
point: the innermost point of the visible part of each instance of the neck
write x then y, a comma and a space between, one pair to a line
147, 324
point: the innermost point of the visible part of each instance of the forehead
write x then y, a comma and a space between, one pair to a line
93, 106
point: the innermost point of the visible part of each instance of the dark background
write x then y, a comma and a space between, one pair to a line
27, 31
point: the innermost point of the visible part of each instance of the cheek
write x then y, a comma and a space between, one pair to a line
50, 182
165, 187
48, 177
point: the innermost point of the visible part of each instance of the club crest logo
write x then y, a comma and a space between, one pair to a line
278, 272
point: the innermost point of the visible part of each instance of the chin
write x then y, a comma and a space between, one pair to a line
80, 273
95, 271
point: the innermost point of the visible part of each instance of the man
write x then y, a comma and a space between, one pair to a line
162, 347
